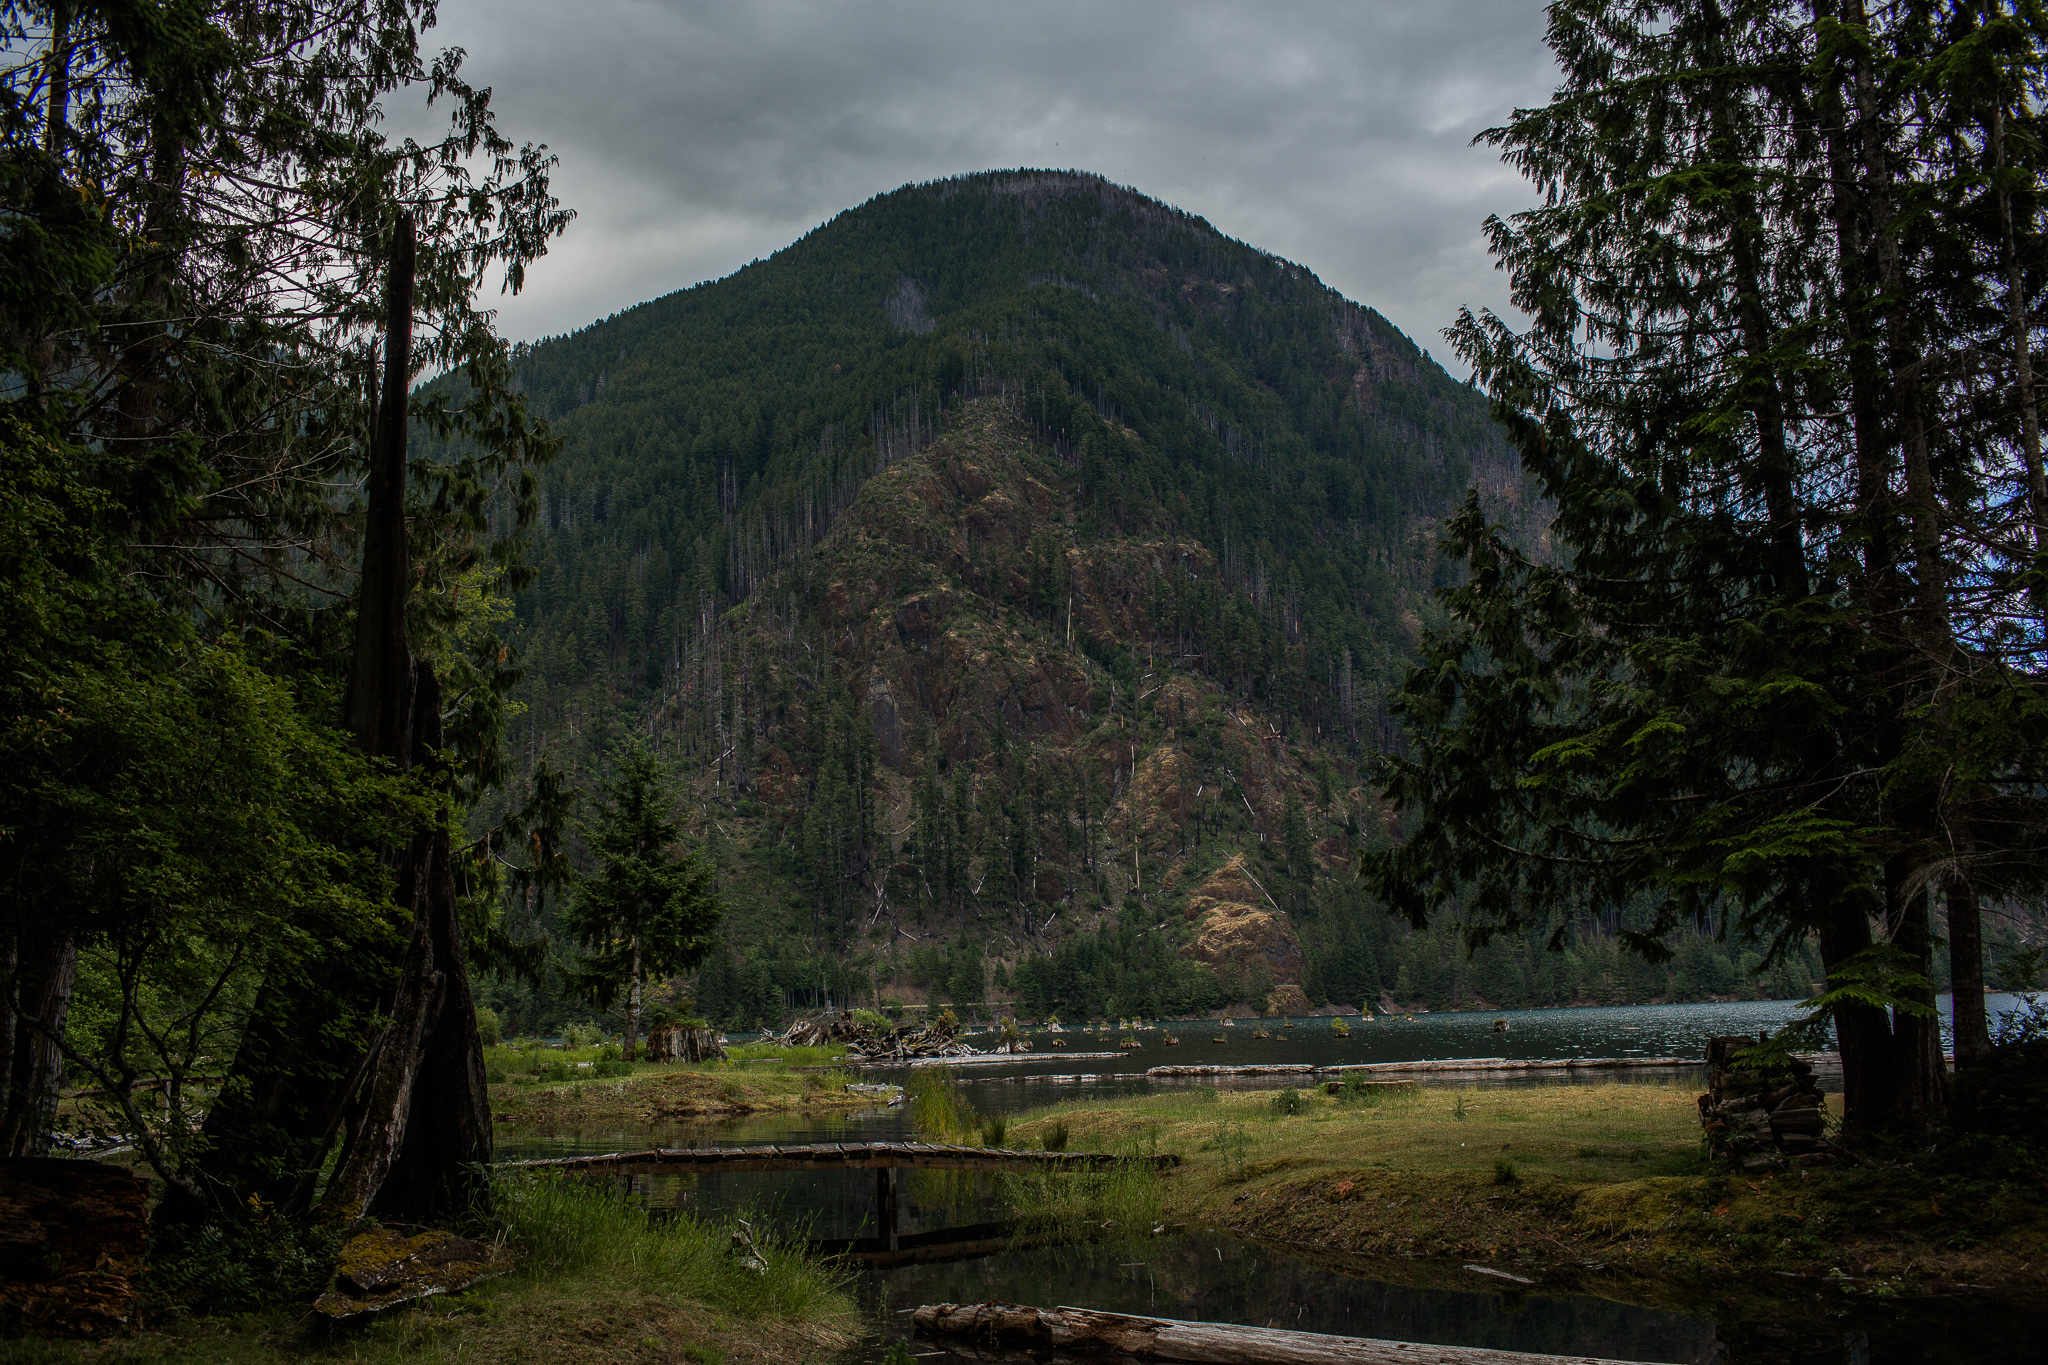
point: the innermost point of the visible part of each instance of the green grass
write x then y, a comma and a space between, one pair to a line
569, 1229
596, 1280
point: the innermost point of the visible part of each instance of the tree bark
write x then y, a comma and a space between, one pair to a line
633, 1004
406, 1161
1919, 1077
1966, 974
380, 703
1862, 1033
39, 990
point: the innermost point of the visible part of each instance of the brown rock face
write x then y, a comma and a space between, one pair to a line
1236, 923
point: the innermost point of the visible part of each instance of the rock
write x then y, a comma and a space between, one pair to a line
1235, 922
72, 1235
383, 1268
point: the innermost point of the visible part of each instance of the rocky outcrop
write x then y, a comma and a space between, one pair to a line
1237, 925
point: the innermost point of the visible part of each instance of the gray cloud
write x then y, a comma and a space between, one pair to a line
696, 136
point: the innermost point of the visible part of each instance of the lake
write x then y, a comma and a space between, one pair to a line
1196, 1273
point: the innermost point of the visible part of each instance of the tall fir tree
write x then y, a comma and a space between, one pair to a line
643, 911
1781, 675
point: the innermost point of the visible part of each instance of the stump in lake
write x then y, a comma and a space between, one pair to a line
678, 1043
1766, 1116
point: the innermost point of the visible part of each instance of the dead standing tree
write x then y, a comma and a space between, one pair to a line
297, 1084
401, 1162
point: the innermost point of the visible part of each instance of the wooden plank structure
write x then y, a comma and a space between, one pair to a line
885, 1159
1217, 1343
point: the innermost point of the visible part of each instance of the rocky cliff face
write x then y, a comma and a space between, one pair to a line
1027, 674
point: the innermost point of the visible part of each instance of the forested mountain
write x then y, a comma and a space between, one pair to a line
1012, 571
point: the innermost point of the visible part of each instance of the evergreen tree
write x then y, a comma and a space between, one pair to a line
1782, 672
643, 911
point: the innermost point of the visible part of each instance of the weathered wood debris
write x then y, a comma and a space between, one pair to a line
829, 1156
905, 1042
1219, 1343
1453, 1066
1764, 1115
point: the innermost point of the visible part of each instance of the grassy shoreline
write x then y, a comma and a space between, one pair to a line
756, 1081
1601, 1190
596, 1281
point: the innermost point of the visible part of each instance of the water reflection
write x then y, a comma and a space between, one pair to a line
1208, 1276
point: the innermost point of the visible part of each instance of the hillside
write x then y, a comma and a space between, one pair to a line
1013, 569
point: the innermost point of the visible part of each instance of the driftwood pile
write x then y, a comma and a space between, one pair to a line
1764, 1117
676, 1043
903, 1043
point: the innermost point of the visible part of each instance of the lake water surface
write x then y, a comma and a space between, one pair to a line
1201, 1274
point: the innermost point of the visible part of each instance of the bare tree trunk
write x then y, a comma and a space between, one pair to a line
39, 991
1862, 1032
633, 1003
1919, 1077
1966, 974
380, 678
407, 1161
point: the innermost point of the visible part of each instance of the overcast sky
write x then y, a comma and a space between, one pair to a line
697, 135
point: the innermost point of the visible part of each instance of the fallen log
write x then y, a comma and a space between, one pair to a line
1213, 1343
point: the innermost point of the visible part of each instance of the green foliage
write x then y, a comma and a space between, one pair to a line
487, 1027
642, 912
1758, 687
1053, 1137
1128, 961
1289, 1102
240, 1262
1505, 1172
938, 1111
581, 1035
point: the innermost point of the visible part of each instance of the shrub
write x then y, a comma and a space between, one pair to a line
487, 1027
240, 1262
1289, 1102
495, 1076
552, 1071
1504, 1172
581, 1035
609, 1068
993, 1130
1054, 1138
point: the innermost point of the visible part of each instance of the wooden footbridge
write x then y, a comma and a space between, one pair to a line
885, 1159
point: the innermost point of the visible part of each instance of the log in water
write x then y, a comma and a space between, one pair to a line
1214, 1343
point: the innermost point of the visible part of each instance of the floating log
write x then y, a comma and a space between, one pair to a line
829, 1156
1216, 1343
973, 1059
1453, 1066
